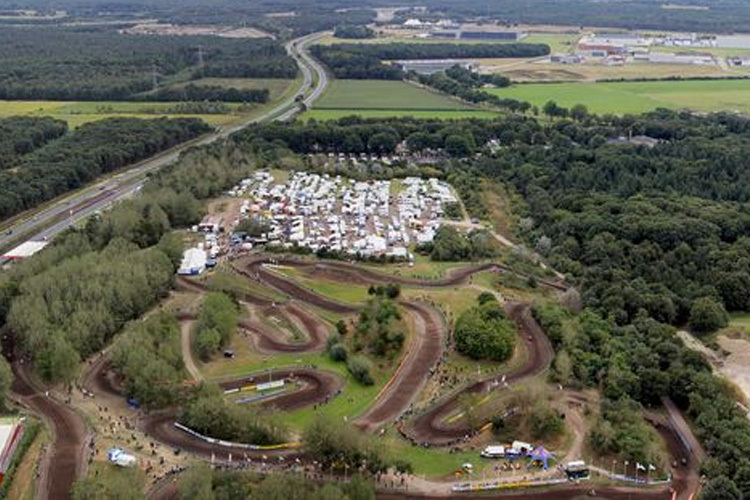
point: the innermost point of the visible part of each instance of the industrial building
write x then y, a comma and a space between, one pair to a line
431, 66
478, 34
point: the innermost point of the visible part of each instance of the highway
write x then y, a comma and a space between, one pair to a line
72, 208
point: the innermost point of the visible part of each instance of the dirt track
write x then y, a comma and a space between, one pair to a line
68, 428
268, 341
430, 426
316, 387
414, 370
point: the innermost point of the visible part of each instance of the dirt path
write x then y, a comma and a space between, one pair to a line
186, 329
414, 370
67, 454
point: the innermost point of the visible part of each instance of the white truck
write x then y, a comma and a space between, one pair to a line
119, 457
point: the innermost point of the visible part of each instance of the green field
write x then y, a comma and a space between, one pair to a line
638, 97
78, 113
382, 98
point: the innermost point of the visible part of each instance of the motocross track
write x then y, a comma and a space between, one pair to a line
430, 427
69, 431
352, 273
413, 371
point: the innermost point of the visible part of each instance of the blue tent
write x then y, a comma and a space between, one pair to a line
540, 454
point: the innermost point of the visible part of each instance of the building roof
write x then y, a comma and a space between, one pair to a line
25, 250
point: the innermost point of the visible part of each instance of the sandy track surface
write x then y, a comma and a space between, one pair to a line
68, 428
430, 427
414, 370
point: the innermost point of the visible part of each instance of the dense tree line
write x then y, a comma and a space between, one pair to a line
450, 244
352, 31
71, 310
467, 86
209, 413
84, 154
485, 332
336, 445
103, 65
216, 324
20, 135
308, 20
194, 93
205, 483
148, 356
365, 61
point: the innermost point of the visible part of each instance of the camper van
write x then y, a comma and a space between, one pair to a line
493, 451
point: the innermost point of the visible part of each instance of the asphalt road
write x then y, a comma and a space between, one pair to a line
70, 210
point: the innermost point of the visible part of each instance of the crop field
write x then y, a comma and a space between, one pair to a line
380, 98
638, 97
534, 71
76, 113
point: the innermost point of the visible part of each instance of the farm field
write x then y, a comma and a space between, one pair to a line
76, 113
638, 97
530, 71
376, 98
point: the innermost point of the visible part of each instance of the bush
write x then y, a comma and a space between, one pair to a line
707, 315
338, 352
545, 423
483, 332
359, 367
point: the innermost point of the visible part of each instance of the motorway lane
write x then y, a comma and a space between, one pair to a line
70, 211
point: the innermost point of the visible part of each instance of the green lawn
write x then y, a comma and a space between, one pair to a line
376, 98
336, 290
638, 97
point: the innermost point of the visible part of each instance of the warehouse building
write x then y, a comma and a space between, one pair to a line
432, 66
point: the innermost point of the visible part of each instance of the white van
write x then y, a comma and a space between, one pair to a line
493, 451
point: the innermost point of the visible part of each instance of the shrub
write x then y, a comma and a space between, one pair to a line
359, 367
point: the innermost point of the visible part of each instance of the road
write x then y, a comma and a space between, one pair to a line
71, 209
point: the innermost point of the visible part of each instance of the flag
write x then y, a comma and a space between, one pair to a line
639, 466
651, 467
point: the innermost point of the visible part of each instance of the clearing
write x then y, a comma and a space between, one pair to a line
638, 97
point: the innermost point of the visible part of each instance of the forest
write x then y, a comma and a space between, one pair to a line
365, 61
688, 15
70, 300
84, 154
20, 135
103, 65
